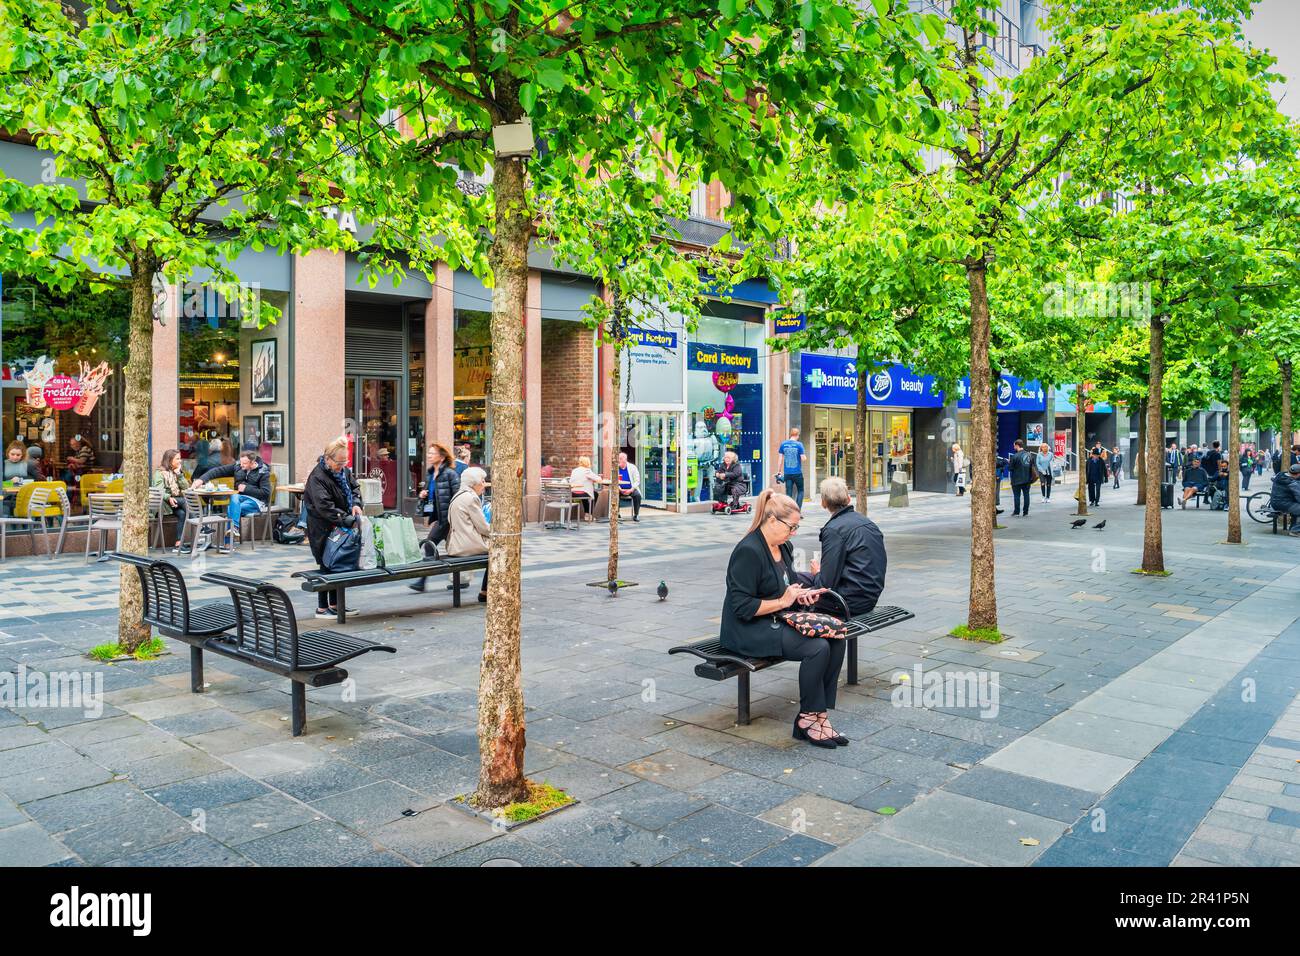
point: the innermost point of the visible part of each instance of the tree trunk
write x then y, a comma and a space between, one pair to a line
615, 375
500, 689
1139, 461
1287, 437
134, 536
1234, 444
983, 603
860, 483
1153, 549
1081, 448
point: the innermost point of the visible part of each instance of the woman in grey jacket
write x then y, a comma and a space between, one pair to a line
1043, 462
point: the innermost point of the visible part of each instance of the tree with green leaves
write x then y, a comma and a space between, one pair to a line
175, 144
476, 84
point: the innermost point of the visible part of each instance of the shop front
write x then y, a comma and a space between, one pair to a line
63, 376
1020, 402
828, 399
692, 397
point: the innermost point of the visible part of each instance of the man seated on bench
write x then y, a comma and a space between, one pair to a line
729, 480
853, 560
1285, 496
762, 583
1195, 481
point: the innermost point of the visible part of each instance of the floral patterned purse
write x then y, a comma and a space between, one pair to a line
815, 624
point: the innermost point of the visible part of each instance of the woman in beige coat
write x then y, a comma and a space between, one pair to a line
469, 529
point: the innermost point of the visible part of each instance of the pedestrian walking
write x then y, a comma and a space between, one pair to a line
1096, 476
440, 486
1116, 466
1023, 473
1044, 461
1246, 462
957, 465
793, 457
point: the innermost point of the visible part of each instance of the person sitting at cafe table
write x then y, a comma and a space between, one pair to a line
18, 465
583, 482
252, 485
81, 458
174, 483
629, 485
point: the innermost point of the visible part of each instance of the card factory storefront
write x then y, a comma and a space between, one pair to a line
828, 396
690, 398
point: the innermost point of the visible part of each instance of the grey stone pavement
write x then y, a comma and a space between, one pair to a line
1138, 721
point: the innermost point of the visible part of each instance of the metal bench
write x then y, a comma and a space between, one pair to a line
719, 663
167, 608
267, 636
316, 581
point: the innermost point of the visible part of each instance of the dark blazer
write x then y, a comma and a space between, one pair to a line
256, 481
1021, 463
441, 490
1096, 469
327, 505
1285, 494
853, 562
752, 578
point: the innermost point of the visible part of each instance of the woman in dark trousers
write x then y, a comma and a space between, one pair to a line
761, 582
442, 481
333, 499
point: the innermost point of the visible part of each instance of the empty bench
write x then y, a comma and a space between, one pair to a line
265, 628
719, 663
317, 581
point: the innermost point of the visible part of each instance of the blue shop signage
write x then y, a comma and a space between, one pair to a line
1014, 395
783, 323
652, 338
833, 380
707, 357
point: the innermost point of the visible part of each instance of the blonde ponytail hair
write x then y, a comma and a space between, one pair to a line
771, 504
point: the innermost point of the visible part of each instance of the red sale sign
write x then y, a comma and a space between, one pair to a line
1059, 442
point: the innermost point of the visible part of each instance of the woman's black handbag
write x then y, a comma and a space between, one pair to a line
342, 551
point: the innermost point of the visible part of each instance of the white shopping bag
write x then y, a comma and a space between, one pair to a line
369, 556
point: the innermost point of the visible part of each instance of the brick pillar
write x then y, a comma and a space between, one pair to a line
317, 330
440, 360
533, 397
164, 407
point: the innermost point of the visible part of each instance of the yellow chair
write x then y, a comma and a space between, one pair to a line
88, 484
224, 483
40, 501
115, 487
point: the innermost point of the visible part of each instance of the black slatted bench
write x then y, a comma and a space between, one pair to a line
167, 608
267, 636
317, 581
719, 663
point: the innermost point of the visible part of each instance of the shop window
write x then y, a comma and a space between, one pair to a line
472, 423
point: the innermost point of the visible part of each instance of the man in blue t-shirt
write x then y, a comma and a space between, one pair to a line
792, 459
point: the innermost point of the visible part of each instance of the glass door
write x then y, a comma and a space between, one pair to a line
879, 451
657, 456
376, 451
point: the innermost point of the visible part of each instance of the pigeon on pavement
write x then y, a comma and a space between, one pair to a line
663, 591
1079, 524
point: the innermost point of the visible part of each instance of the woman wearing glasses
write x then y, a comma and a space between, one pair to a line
761, 582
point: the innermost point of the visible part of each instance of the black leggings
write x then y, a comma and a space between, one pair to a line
820, 660
1045, 485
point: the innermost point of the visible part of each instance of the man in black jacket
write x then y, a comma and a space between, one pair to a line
853, 558
1022, 477
1096, 476
252, 485
1285, 495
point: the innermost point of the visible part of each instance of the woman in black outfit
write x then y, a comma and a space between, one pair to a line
761, 582
333, 498
442, 481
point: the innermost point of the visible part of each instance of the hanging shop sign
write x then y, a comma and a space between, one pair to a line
64, 393
783, 323
707, 357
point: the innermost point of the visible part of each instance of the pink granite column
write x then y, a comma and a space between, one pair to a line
318, 323
533, 397
778, 403
440, 360
164, 409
